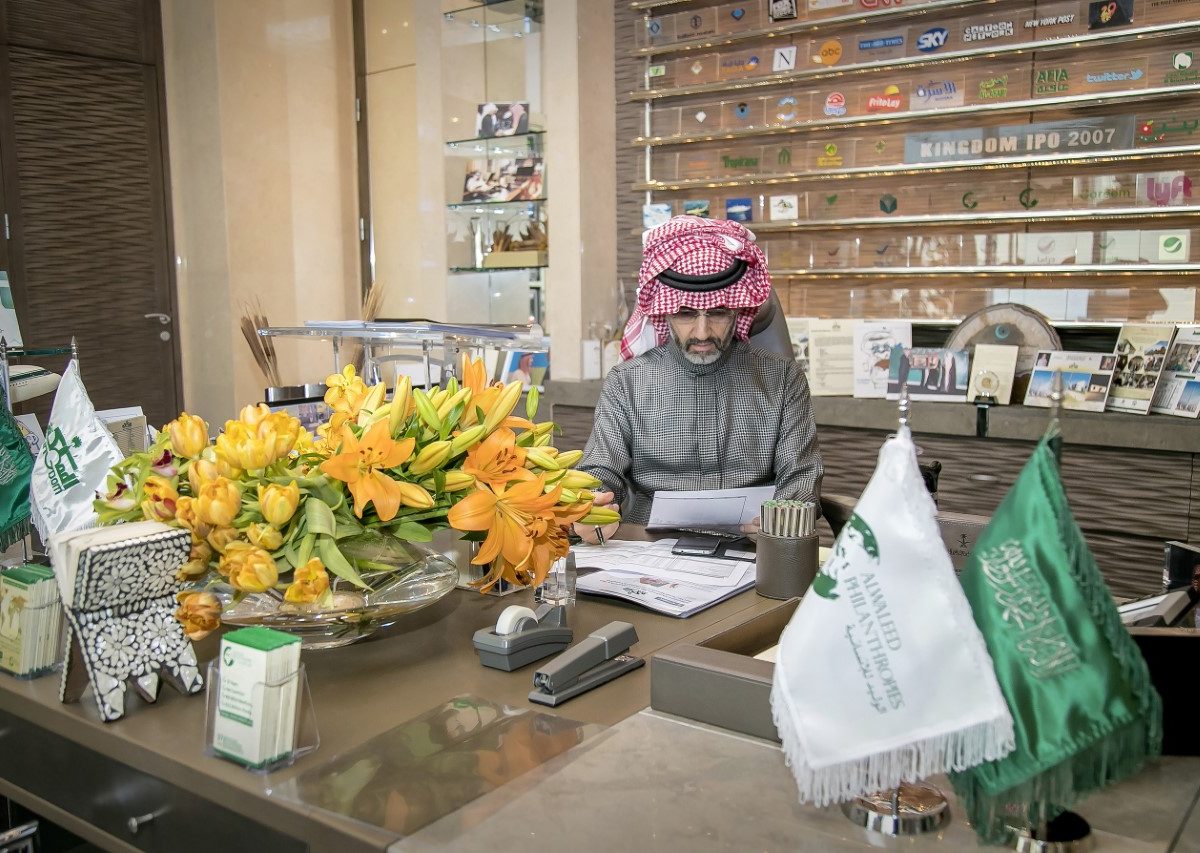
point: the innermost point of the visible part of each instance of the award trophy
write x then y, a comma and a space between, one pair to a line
987, 383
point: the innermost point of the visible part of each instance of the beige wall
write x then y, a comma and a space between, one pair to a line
260, 112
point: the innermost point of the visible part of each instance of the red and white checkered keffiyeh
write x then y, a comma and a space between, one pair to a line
692, 245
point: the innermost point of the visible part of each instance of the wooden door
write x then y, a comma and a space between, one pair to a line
85, 167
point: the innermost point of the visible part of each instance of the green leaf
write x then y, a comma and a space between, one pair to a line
320, 518
531, 402
412, 531
333, 559
452, 419
305, 549
439, 481
346, 530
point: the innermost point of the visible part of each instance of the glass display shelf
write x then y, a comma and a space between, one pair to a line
493, 205
998, 217
1120, 156
906, 63
798, 27
519, 337
1009, 271
1031, 105
517, 141
497, 269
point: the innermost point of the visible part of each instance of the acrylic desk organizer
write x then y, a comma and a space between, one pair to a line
303, 720
48, 642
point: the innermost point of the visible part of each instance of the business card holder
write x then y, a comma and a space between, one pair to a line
300, 716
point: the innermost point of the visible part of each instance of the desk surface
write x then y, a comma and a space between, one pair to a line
358, 692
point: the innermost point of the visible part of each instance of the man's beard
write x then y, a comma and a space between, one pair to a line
719, 344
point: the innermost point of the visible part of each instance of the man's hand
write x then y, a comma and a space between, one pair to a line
587, 532
752, 527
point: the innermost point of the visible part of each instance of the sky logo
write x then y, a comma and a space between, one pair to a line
931, 40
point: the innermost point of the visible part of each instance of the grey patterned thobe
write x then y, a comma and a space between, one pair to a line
663, 422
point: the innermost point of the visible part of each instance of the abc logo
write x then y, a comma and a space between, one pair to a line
931, 40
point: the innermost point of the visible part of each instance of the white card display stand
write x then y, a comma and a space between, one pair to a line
122, 628
301, 717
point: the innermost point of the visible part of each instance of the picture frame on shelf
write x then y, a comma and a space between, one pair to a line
531, 368
502, 180
500, 119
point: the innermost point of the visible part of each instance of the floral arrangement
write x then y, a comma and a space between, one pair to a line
268, 504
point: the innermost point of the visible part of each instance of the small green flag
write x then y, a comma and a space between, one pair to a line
1085, 714
16, 465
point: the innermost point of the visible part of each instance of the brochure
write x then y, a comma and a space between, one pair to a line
831, 358
1087, 378
1179, 388
873, 344
1141, 353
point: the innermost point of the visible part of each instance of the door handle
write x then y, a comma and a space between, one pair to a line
162, 318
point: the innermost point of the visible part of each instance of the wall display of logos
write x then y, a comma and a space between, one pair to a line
806, 154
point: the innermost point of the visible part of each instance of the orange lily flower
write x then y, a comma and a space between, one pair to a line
524, 531
497, 460
362, 463
484, 396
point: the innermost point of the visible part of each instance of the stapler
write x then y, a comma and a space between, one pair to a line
521, 636
591, 662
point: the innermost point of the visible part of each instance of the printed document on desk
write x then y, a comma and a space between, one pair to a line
646, 573
708, 509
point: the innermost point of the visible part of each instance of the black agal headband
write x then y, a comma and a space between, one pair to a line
704, 283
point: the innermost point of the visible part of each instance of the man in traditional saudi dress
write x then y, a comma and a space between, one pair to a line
694, 405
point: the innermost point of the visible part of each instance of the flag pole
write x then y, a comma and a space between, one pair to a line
1054, 427
911, 808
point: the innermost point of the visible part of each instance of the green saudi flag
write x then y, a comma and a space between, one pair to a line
1084, 712
16, 465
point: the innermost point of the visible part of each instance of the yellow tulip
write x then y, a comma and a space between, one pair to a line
264, 536
219, 502
220, 538
309, 582
199, 613
252, 416
189, 435
279, 432
160, 501
248, 567
185, 512
197, 564
241, 446
278, 503
201, 471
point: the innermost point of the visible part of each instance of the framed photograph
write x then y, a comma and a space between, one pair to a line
929, 373
531, 368
504, 180
783, 10
493, 119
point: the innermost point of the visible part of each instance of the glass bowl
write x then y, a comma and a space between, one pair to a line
402, 577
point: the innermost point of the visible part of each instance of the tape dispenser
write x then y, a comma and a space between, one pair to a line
522, 636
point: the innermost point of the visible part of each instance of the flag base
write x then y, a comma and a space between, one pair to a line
1067, 833
911, 809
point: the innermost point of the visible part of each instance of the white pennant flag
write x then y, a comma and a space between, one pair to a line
74, 461
882, 676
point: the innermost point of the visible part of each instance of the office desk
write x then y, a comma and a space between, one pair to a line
91, 777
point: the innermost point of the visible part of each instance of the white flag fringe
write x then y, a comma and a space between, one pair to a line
74, 461
882, 676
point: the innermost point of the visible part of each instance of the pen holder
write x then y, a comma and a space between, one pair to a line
785, 566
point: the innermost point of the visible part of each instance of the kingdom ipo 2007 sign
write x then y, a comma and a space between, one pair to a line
1053, 137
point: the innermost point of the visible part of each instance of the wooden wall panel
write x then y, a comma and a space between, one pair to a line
94, 251
629, 123
113, 29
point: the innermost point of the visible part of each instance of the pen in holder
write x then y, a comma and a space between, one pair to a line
787, 549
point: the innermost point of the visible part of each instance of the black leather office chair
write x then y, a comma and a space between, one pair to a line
770, 331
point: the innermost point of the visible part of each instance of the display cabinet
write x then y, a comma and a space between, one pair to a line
497, 241
922, 160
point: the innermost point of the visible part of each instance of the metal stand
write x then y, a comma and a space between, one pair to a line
1067, 833
911, 809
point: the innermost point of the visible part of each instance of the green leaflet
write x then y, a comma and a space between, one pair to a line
335, 562
320, 518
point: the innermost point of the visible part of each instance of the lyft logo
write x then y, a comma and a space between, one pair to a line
1166, 192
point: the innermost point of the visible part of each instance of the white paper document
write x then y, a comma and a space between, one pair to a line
647, 573
712, 508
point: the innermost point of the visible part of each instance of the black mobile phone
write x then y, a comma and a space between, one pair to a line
697, 545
